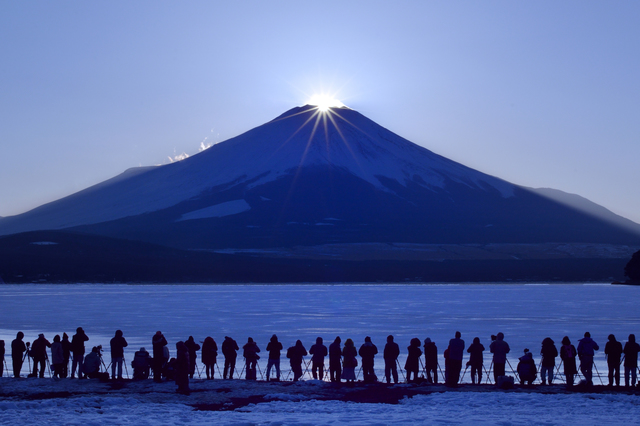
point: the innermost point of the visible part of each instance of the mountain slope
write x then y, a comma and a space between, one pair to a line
306, 178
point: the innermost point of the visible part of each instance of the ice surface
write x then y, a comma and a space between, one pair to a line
525, 313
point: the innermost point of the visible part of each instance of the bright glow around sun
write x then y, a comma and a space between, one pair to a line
324, 102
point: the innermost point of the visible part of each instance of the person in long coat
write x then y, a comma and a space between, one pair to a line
209, 354
412, 365
349, 361
182, 368
549, 354
568, 356
57, 357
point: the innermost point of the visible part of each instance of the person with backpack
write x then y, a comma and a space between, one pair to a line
476, 360
368, 352
390, 355
117, 344
141, 365
77, 349
318, 352
18, 348
527, 368
549, 354
586, 351
209, 354
251, 357
613, 352
568, 356
296, 354
230, 351
631, 349
412, 365
335, 355
431, 360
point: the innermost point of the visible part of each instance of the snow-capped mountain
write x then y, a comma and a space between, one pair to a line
309, 178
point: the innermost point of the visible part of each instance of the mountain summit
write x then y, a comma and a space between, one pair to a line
312, 178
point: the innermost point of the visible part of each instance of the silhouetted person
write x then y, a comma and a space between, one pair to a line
295, 354
476, 360
274, 347
613, 351
117, 344
91, 365
631, 349
431, 360
335, 354
368, 352
586, 350
192, 347
568, 357
77, 349
318, 352
251, 357
2, 351
39, 355
57, 357
209, 354
412, 365
230, 351
499, 348
182, 367
390, 355
18, 348
66, 354
456, 352
349, 361
141, 365
549, 354
158, 342
527, 368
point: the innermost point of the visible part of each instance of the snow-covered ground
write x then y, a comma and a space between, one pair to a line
524, 313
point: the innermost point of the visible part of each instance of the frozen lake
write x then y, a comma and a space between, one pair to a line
526, 314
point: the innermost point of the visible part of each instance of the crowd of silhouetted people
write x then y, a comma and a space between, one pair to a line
422, 357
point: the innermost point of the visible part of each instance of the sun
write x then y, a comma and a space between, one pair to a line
324, 102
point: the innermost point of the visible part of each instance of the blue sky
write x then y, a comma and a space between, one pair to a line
543, 94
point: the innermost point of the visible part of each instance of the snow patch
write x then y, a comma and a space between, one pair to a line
219, 210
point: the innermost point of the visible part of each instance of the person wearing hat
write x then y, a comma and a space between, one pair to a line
431, 360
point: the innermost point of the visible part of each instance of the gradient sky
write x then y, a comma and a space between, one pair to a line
540, 93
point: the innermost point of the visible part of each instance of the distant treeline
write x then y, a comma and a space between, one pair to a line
63, 257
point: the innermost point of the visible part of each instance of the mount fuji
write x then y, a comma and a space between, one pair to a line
332, 184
